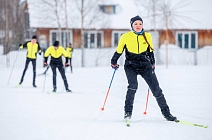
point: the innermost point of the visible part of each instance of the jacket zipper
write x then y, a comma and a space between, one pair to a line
138, 44
31, 50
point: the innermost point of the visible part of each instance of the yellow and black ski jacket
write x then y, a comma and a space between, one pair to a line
137, 49
32, 49
69, 51
56, 55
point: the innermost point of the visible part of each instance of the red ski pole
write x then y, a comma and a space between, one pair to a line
108, 90
146, 102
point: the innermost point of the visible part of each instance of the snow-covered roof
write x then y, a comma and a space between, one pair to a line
193, 14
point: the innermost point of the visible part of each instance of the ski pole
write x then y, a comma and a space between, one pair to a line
13, 67
44, 82
108, 89
146, 102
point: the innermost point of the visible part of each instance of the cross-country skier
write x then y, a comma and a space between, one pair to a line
139, 60
69, 50
56, 53
33, 48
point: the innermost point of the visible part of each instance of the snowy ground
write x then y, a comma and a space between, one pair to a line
27, 113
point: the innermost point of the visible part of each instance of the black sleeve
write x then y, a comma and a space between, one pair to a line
39, 48
151, 57
25, 44
66, 59
45, 59
115, 58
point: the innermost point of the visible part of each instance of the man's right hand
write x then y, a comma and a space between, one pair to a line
45, 63
115, 66
20, 46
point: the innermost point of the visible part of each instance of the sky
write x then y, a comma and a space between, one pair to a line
28, 113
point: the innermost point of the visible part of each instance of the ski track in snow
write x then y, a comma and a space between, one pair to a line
27, 113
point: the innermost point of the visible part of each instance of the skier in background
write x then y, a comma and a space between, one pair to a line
33, 48
140, 60
56, 53
69, 50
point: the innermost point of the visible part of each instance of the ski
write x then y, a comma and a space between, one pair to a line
191, 124
60, 92
127, 122
18, 86
41, 74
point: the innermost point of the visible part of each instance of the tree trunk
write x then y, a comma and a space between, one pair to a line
82, 32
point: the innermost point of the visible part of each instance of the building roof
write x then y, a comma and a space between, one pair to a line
193, 14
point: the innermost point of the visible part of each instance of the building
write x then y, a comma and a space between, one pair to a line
186, 24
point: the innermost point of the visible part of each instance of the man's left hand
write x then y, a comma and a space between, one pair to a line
67, 64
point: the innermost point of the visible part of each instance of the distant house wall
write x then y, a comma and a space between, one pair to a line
107, 38
76, 38
204, 37
162, 37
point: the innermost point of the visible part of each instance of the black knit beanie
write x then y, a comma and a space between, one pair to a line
56, 43
34, 37
133, 19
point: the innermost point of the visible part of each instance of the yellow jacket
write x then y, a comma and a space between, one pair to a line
56, 53
134, 43
32, 49
136, 48
69, 51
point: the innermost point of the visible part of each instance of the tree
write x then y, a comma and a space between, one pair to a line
165, 14
11, 25
89, 13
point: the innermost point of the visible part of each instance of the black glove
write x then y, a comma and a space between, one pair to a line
45, 63
67, 64
115, 66
153, 67
20, 45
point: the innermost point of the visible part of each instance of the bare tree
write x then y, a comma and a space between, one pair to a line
66, 19
89, 13
166, 14
52, 10
11, 25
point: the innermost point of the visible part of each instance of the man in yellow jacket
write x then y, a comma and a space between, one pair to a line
56, 53
69, 50
33, 48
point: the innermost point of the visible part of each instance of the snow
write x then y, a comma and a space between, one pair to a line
29, 113
101, 57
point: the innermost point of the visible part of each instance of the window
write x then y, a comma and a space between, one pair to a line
187, 40
65, 36
116, 36
109, 9
93, 39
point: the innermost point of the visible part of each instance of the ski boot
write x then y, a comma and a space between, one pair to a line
127, 115
170, 117
68, 90
54, 90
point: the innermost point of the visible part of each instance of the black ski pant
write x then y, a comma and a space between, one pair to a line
26, 67
62, 72
149, 76
70, 64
